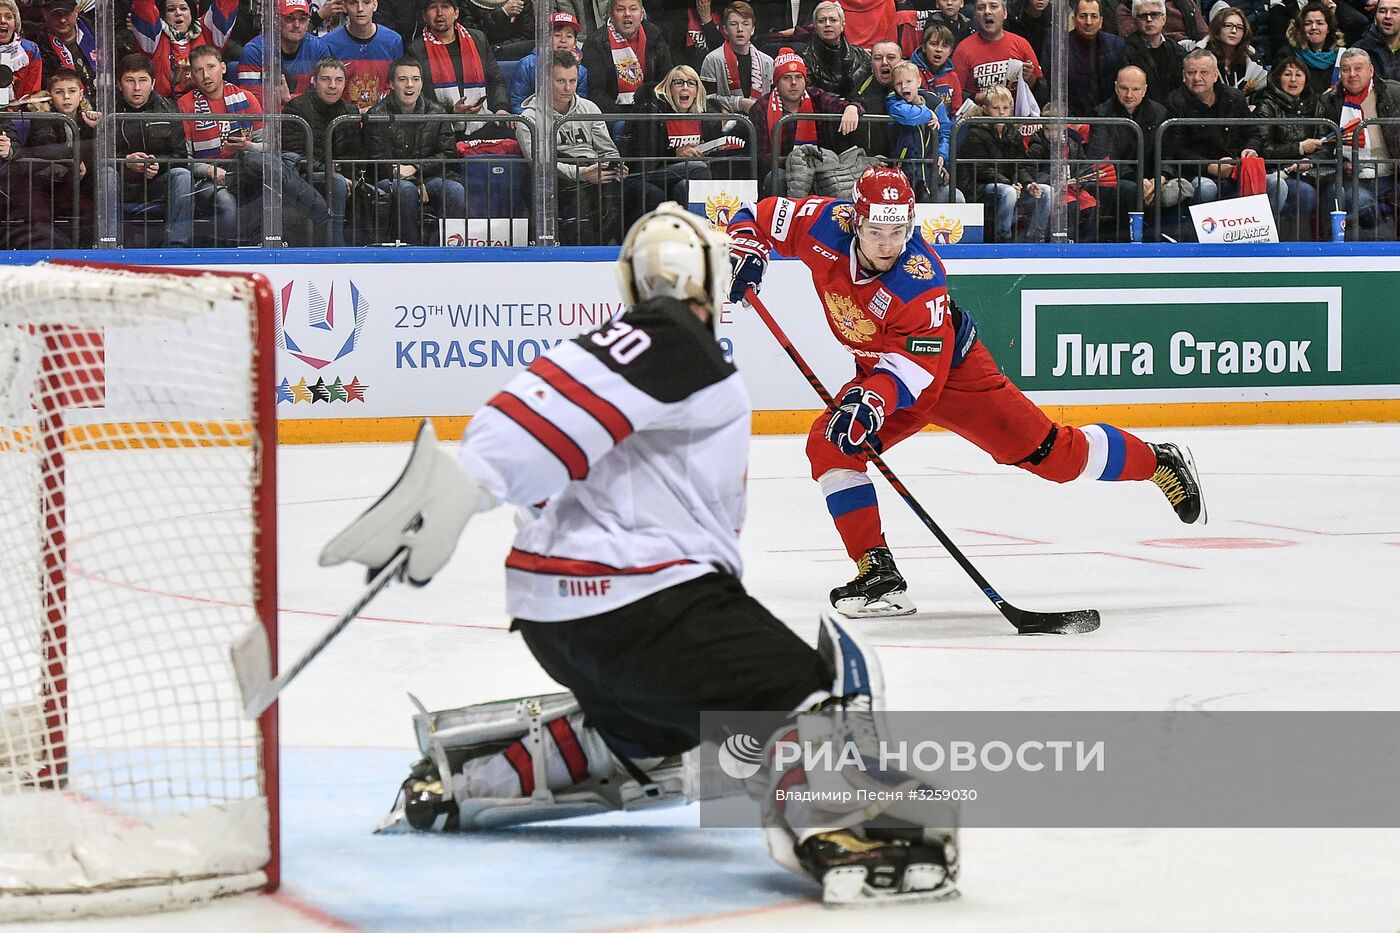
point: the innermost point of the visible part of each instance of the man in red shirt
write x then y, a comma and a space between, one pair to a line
918, 362
990, 55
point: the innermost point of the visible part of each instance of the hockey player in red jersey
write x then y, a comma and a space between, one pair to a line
918, 362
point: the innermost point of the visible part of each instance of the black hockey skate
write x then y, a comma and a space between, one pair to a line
1177, 478
878, 589
863, 870
427, 804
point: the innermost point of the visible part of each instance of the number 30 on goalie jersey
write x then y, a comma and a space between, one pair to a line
654, 370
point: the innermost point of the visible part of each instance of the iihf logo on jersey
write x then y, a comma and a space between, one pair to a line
573, 586
741, 756
325, 339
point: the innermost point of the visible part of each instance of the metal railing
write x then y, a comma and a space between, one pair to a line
1114, 183
1371, 195
226, 193
363, 197
776, 179
1283, 184
601, 197
32, 218
380, 210
926, 168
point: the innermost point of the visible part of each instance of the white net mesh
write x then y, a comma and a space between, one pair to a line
129, 466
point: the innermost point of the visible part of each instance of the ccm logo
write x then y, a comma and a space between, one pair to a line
572, 587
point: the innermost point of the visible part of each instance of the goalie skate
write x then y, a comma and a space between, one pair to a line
877, 591
856, 871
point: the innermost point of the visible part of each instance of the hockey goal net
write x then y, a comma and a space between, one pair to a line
137, 543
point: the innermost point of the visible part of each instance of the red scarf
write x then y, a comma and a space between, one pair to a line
629, 58
806, 129
440, 70
682, 133
694, 29
731, 72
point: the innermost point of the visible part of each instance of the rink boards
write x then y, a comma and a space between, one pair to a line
371, 340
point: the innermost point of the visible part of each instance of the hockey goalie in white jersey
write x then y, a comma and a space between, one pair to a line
626, 589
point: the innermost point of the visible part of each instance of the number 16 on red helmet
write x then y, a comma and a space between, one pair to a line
883, 196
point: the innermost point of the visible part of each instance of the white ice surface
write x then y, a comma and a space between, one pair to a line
1298, 613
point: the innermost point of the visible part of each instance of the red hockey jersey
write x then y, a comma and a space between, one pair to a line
899, 323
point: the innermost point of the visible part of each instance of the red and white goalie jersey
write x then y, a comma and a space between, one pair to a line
898, 324
637, 434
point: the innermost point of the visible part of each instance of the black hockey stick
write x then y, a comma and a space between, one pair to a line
1075, 622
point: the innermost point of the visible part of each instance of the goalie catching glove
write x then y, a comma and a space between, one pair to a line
424, 511
856, 421
748, 257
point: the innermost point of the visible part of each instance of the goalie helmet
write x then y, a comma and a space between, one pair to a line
883, 196
674, 253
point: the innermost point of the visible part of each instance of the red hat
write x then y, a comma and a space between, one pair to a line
788, 62
563, 19
883, 196
288, 7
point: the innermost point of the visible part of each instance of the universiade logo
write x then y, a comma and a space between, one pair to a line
340, 334
741, 756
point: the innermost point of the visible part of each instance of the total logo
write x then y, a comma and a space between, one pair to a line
1209, 224
321, 335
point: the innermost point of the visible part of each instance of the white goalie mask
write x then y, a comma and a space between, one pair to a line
674, 253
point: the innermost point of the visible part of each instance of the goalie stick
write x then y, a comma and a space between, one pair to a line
252, 660
1073, 622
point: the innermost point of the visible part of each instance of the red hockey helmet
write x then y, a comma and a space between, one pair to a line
883, 196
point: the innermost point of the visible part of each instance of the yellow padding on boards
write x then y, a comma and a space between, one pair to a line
1188, 414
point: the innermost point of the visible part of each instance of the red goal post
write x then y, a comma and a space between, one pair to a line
138, 542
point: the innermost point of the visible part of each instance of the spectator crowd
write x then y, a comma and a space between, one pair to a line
396, 114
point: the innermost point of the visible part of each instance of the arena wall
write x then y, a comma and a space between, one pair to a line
371, 340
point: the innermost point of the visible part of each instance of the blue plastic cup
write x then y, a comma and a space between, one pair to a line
1339, 226
1135, 226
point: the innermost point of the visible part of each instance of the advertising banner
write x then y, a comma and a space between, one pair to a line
405, 340
1235, 220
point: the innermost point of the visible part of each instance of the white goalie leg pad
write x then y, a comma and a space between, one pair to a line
850, 796
424, 511
533, 759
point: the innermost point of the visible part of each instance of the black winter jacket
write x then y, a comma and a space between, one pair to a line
161, 138
1192, 146
674, 19
1386, 62
984, 158
841, 70
1118, 144
407, 143
1162, 64
1280, 141
348, 143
